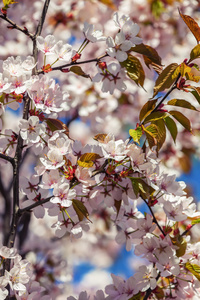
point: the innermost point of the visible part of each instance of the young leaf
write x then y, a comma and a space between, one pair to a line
181, 243
148, 52
194, 269
196, 92
165, 80
55, 124
196, 221
141, 187
138, 296
118, 206
8, 2
147, 108
181, 103
161, 133
109, 3
87, 159
193, 75
80, 209
171, 126
134, 69
192, 25
136, 134
155, 116
184, 121
78, 71
151, 132
153, 65
195, 52
183, 69
100, 137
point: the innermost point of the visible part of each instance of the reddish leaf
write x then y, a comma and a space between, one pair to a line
192, 25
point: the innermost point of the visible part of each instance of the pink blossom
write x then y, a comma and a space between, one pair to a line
46, 45
63, 195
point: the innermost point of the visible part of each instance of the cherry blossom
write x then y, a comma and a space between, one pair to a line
31, 130
63, 195
91, 34
146, 278
47, 44
111, 78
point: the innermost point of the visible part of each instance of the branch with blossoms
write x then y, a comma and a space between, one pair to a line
108, 178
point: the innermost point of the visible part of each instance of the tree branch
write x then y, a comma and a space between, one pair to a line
38, 32
42, 19
36, 204
75, 63
15, 26
167, 94
154, 218
8, 158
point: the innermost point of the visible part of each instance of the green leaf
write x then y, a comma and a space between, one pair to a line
181, 243
80, 209
195, 53
78, 71
136, 134
140, 187
109, 3
100, 137
138, 296
165, 80
194, 269
56, 124
157, 8
118, 206
196, 92
161, 136
147, 109
148, 52
8, 2
183, 69
155, 116
197, 221
87, 159
151, 132
171, 126
134, 69
184, 121
159, 293
181, 103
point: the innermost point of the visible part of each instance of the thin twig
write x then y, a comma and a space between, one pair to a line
148, 292
167, 94
15, 26
74, 64
154, 218
36, 204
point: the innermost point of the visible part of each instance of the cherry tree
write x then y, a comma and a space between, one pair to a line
99, 110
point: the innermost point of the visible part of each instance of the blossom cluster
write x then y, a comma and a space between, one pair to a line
72, 182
